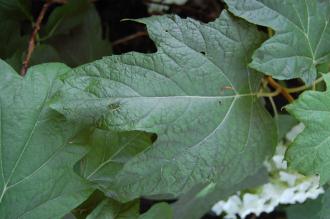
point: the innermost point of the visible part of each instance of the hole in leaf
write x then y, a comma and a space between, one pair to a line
202, 52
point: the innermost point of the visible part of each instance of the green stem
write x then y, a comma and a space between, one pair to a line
304, 87
272, 94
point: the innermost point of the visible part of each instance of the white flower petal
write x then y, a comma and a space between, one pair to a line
294, 132
288, 178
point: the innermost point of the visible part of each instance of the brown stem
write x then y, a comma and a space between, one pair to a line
129, 38
279, 87
36, 28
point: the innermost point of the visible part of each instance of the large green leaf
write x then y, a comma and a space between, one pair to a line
36, 148
196, 93
301, 39
108, 153
110, 209
310, 151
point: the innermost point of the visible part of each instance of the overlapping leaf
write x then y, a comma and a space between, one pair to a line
196, 93
301, 39
310, 151
110, 209
36, 150
108, 153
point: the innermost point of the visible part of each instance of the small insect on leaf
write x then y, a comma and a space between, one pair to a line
114, 106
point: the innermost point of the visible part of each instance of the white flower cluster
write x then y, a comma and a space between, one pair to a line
285, 187
152, 8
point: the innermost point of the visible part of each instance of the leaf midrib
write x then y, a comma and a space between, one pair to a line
171, 97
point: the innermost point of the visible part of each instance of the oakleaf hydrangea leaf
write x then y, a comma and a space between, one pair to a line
310, 151
36, 152
196, 93
301, 39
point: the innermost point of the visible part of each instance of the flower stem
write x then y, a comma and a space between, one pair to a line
304, 87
